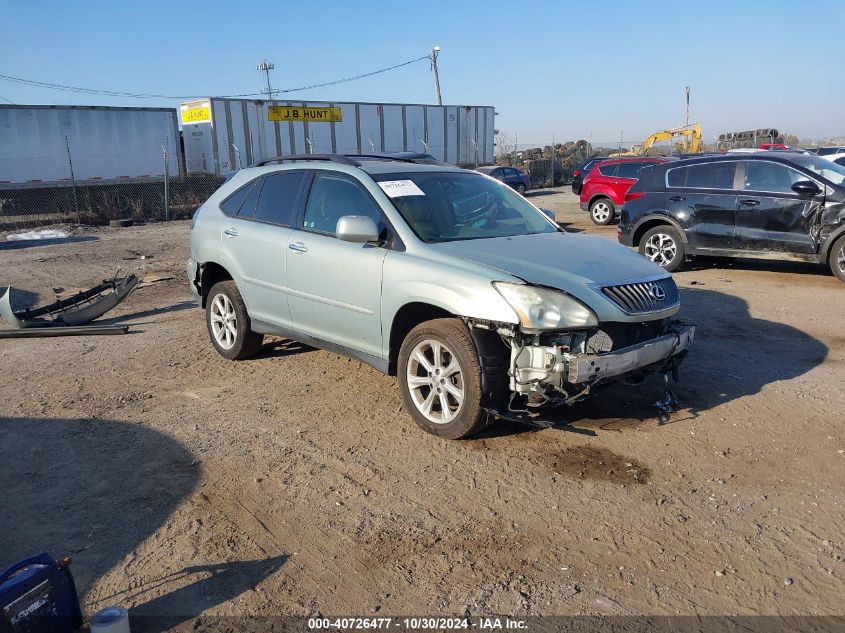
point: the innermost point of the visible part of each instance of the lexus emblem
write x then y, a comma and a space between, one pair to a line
657, 293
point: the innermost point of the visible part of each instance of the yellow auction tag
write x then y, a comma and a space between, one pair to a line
196, 115
311, 115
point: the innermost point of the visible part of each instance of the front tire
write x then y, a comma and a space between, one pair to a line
440, 379
520, 189
602, 211
663, 246
228, 323
837, 259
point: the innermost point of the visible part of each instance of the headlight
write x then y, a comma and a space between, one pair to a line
542, 309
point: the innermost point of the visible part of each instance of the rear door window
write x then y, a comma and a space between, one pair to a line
278, 200
608, 170
629, 170
705, 176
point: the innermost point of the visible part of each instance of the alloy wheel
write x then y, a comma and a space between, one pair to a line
840, 260
224, 322
435, 381
661, 249
601, 212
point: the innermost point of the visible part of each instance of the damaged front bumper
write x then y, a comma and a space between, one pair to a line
562, 374
592, 367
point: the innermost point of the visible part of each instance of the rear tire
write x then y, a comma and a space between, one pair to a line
837, 259
228, 323
440, 379
663, 246
602, 211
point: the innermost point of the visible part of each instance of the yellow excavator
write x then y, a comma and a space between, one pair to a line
690, 145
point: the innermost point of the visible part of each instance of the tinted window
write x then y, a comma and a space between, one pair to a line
333, 196
770, 177
247, 209
498, 173
608, 170
705, 176
824, 151
277, 202
840, 161
232, 204
629, 170
511, 173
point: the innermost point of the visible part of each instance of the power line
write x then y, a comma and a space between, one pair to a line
5, 99
135, 95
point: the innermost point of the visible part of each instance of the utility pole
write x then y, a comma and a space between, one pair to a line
265, 67
687, 107
433, 57
620, 140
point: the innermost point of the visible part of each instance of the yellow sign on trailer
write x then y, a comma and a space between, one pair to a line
295, 113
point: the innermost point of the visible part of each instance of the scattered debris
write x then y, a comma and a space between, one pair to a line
152, 279
78, 309
43, 234
71, 330
787, 581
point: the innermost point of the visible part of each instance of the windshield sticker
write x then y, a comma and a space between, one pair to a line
399, 188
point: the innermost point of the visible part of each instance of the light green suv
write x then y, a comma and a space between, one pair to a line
478, 301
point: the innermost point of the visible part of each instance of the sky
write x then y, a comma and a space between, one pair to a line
553, 70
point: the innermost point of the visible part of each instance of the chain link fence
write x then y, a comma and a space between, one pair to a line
145, 199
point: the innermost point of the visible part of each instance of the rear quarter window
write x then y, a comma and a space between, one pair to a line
608, 170
231, 205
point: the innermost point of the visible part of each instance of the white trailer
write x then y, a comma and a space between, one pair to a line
41, 144
222, 135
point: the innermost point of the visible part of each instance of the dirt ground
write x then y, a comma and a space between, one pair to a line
294, 483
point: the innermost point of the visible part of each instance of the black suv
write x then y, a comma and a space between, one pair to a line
581, 172
773, 205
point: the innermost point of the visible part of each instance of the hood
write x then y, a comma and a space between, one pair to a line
564, 261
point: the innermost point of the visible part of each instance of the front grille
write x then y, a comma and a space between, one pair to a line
644, 296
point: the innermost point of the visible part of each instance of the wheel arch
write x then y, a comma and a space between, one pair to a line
406, 319
830, 240
600, 194
649, 222
211, 273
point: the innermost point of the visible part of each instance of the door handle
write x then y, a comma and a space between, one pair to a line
299, 247
676, 198
749, 203
230, 232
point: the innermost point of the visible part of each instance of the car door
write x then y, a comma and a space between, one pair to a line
626, 175
702, 198
512, 177
334, 287
254, 244
770, 215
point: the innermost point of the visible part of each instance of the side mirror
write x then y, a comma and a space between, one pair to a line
806, 188
357, 228
549, 214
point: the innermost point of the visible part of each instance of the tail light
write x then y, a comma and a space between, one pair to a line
577, 172
633, 195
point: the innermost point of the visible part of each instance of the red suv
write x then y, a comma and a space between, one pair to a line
604, 188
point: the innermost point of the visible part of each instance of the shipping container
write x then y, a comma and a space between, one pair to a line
41, 144
222, 135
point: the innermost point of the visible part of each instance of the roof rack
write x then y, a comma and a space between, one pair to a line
400, 159
332, 158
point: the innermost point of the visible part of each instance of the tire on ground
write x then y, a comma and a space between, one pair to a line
595, 207
246, 343
649, 247
837, 259
470, 417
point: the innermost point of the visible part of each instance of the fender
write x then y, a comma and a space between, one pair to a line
828, 243
603, 191
666, 219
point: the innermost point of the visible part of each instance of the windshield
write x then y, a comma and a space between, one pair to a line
449, 206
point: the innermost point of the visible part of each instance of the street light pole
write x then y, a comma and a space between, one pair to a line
433, 57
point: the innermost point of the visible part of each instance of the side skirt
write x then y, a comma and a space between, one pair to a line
262, 327
770, 255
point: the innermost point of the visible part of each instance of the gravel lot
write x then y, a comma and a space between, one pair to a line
294, 483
